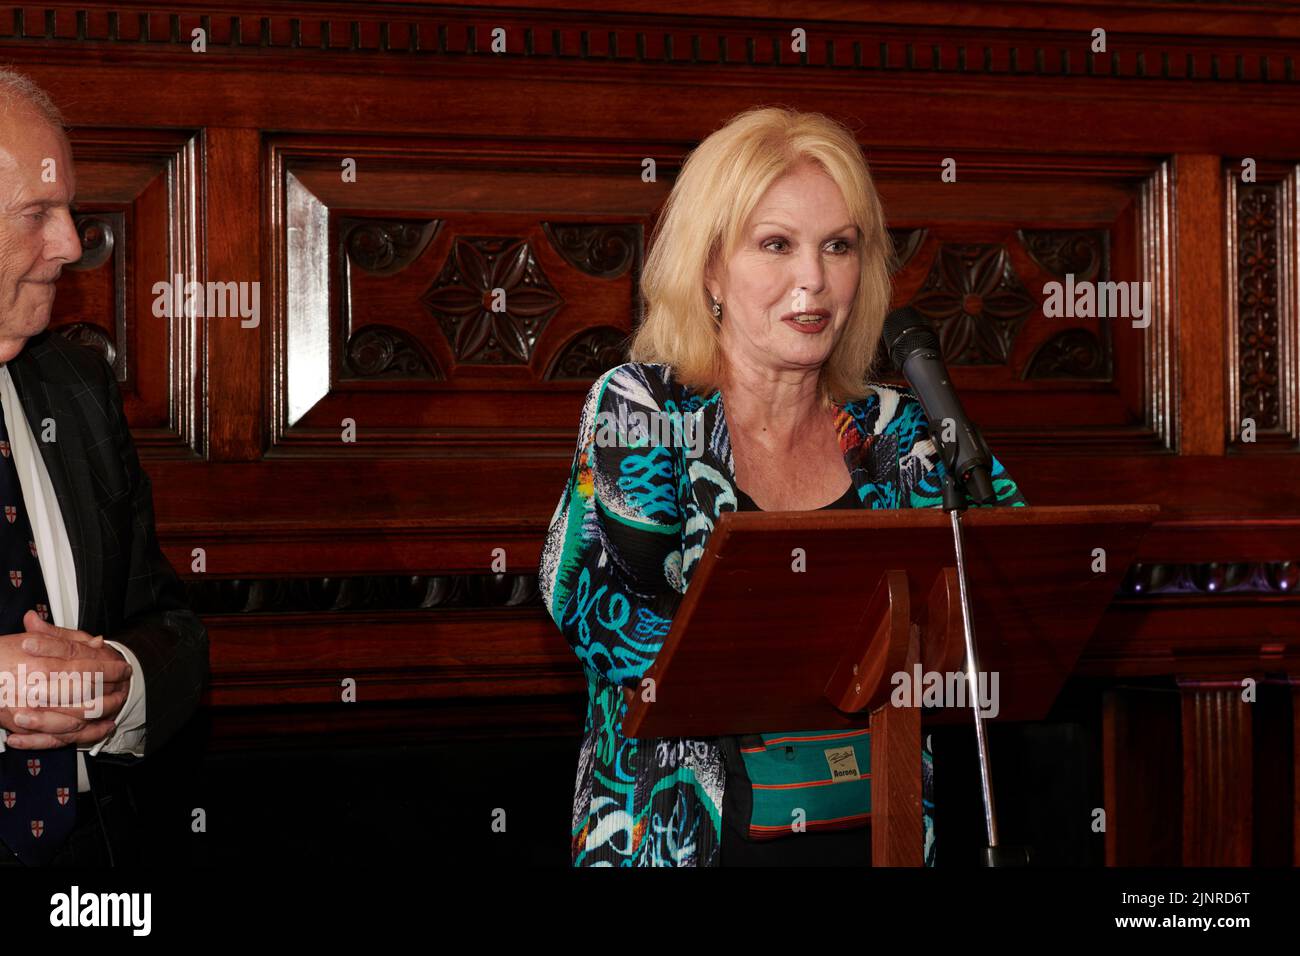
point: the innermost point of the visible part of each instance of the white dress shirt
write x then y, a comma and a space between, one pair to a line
54, 553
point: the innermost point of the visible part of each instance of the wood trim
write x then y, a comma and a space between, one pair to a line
1159, 252
438, 655
1201, 334
897, 829
1193, 636
245, 729
1217, 773
235, 357
1155, 47
1140, 767
1263, 307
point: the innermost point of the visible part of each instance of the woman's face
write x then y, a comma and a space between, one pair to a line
799, 254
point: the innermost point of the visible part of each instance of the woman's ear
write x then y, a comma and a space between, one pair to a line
711, 284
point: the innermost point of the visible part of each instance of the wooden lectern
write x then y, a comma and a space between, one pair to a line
758, 646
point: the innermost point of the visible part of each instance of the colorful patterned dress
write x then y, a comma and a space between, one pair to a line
625, 538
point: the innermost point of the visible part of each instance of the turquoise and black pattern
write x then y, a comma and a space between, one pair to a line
625, 538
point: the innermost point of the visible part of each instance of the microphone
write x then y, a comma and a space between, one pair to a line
914, 348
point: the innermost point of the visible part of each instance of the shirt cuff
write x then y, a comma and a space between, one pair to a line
130, 732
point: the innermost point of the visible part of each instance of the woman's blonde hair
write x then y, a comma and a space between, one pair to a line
720, 184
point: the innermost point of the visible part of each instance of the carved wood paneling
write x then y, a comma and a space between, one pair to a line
590, 355
1263, 308
1077, 382
362, 593
1074, 353
399, 592
1072, 255
392, 36
137, 217
467, 299
1279, 578
977, 302
383, 247
379, 351
374, 559
103, 251
492, 300
92, 337
1217, 773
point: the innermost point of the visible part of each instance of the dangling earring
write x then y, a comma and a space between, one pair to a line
717, 309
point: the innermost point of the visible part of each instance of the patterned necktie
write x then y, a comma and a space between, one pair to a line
37, 787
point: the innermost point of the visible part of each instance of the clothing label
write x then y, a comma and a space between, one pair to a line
843, 763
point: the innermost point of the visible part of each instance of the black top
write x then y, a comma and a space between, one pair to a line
847, 500
829, 848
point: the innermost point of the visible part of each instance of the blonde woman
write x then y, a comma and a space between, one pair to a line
766, 288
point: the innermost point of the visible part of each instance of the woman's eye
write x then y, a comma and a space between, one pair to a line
36, 216
847, 245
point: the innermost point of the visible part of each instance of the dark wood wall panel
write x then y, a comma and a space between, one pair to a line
980, 253
137, 219
1263, 307
522, 170
388, 312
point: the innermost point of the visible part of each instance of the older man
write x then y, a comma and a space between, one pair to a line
89, 591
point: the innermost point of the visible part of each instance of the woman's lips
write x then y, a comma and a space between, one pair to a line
810, 328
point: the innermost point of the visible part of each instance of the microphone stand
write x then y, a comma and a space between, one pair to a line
955, 503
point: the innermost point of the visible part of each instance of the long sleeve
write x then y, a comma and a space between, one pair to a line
921, 469
610, 574
166, 637
128, 738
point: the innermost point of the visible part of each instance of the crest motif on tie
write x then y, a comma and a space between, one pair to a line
38, 827
31, 546
10, 798
33, 765
62, 794
44, 611
4, 448
16, 578
11, 513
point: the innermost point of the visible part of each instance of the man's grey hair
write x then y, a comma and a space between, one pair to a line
17, 89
